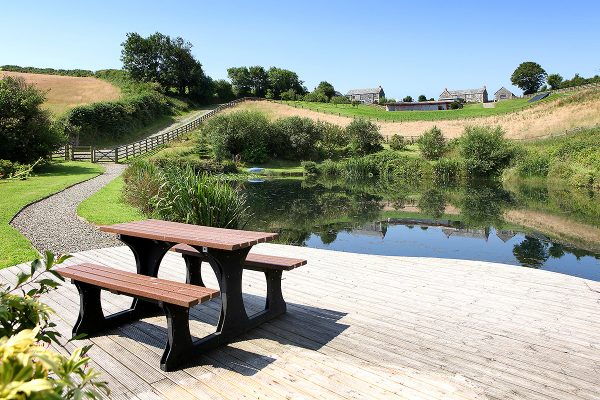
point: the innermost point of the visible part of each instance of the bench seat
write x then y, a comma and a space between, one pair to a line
258, 262
130, 283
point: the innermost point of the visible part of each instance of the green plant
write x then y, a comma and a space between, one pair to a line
243, 133
294, 138
310, 168
141, 185
397, 142
485, 150
8, 168
529, 76
26, 131
339, 100
364, 135
533, 164
197, 198
432, 143
446, 170
332, 138
29, 371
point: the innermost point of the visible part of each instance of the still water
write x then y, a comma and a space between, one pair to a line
554, 229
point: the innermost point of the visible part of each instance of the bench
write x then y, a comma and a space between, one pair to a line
271, 266
175, 298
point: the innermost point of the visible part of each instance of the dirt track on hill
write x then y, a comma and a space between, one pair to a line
544, 120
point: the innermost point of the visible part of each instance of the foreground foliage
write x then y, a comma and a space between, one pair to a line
27, 369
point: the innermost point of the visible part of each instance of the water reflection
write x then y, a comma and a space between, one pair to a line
467, 222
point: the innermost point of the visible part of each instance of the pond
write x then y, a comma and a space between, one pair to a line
531, 225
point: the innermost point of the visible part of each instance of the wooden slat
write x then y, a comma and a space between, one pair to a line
218, 238
253, 259
133, 284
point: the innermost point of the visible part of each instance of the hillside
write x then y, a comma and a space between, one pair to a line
555, 116
66, 92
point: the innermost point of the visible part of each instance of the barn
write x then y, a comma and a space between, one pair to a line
367, 96
419, 106
479, 95
503, 94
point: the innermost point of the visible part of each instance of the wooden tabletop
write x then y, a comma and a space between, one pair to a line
195, 235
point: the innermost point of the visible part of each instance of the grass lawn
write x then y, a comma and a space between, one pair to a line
378, 112
14, 195
94, 209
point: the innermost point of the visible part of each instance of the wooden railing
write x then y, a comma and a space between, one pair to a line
135, 149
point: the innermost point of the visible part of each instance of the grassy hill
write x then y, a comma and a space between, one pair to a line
520, 120
66, 92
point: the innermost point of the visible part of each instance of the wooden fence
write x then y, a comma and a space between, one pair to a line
130, 150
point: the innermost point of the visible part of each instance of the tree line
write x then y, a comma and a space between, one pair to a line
531, 78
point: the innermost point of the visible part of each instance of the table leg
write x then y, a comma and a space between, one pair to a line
148, 255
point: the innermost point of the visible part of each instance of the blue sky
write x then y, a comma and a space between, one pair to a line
406, 47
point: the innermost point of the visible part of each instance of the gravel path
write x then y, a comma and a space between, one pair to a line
52, 224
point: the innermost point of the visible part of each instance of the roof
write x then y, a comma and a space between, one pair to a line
503, 88
406, 103
465, 91
364, 91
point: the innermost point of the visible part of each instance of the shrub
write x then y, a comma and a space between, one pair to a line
447, 170
315, 97
432, 144
294, 138
199, 165
455, 105
331, 168
289, 95
533, 165
397, 142
197, 198
105, 121
408, 168
141, 185
339, 100
485, 150
310, 168
7, 168
332, 137
241, 132
364, 135
26, 131
28, 370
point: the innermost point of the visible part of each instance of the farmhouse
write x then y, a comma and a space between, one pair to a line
503, 94
367, 96
419, 106
479, 95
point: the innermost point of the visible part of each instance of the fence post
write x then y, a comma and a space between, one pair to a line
116, 154
92, 155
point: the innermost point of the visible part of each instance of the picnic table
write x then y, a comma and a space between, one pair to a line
226, 250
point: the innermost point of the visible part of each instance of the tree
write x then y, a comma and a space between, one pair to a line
422, 98
169, 62
485, 150
240, 80
222, 91
364, 135
259, 80
554, 80
281, 80
326, 88
26, 131
408, 99
432, 144
529, 76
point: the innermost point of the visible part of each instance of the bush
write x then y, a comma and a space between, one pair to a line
332, 138
533, 165
289, 95
198, 198
455, 105
241, 132
28, 370
316, 97
339, 100
364, 135
108, 121
432, 144
7, 168
485, 150
141, 185
447, 170
26, 131
310, 168
397, 142
293, 138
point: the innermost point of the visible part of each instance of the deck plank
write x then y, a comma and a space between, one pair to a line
363, 326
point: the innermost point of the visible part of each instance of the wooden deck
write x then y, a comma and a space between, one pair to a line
365, 327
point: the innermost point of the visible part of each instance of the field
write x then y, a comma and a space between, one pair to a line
554, 116
66, 92
14, 195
